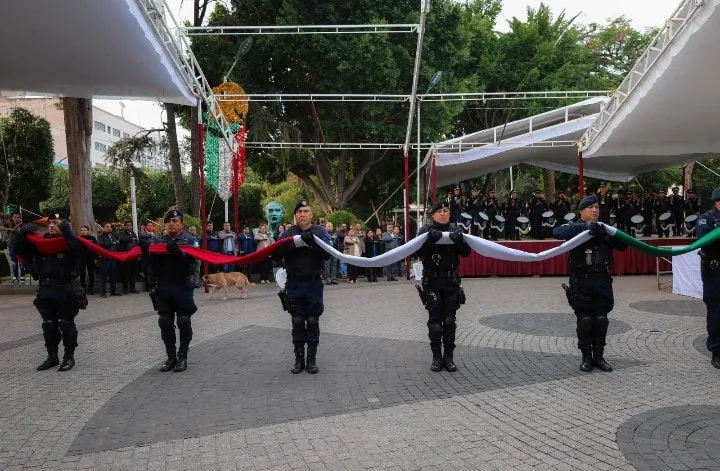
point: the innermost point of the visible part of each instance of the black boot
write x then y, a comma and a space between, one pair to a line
437, 363
449, 363
598, 361
68, 360
299, 359
311, 355
714, 362
50, 362
170, 362
181, 362
587, 361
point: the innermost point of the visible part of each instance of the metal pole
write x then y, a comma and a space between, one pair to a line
201, 166
433, 176
227, 210
417, 195
512, 183
133, 204
581, 176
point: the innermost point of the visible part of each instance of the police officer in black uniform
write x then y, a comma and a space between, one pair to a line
490, 208
536, 208
59, 296
692, 207
660, 207
646, 211
441, 292
560, 207
677, 207
172, 296
513, 209
710, 273
590, 292
303, 294
606, 203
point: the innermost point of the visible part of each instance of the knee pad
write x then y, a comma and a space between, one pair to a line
313, 323
165, 322
601, 320
585, 321
48, 324
434, 329
298, 322
64, 324
449, 322
183, 322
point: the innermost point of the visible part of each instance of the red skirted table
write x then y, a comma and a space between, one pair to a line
628, 262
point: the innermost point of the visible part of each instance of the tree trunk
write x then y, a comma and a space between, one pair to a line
174, 158
194, 165
549, 184
78, 131
687, 177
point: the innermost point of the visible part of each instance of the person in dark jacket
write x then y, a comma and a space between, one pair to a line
590, 293
677, 208
59, 296
372, 249
87, 262
213, 244
146, 239
513, 209
303, 294
710, 274
127, 240
108, 267
606, 203
660, 207
172, 296
440, 291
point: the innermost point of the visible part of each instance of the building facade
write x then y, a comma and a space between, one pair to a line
107, 130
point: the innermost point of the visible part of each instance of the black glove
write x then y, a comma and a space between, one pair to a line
308, 238
64, 226
594, 227
172, 247
434, 235
28, 229
456, 237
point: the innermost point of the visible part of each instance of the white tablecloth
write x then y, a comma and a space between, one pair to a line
686, 275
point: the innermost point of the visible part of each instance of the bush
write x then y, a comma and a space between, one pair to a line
339, 217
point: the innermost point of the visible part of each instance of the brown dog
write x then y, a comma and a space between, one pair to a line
218, 281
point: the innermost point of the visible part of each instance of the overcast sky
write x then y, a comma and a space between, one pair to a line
643, 14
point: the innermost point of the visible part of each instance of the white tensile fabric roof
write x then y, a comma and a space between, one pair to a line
526, 141
85, 49
671, 116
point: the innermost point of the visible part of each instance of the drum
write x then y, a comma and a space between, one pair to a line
548, 219
666, 221
522, 225
481, 221
498, 223
570, 218
612, 222
280, 279
465, 222
637, 224
690, 222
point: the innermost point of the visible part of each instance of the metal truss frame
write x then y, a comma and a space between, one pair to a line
457, 147
673, 26
298, 29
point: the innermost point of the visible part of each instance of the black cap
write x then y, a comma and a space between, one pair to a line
438, 206
715, 194
54, 216
659, 191
457, 188
601, 184
301, 204
174, 213
691, 191
587, 201
675, 188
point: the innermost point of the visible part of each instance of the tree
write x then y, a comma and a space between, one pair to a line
364, 63
78, 132
26, 146
174, 157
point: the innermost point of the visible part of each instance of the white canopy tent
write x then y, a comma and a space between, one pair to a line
86, 49
665, 113
545, 140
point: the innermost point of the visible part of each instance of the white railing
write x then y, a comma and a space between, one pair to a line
299, 29
673, 26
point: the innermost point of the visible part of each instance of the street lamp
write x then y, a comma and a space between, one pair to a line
433, 81
242, 50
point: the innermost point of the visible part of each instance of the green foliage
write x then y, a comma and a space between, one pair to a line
287, 194
339, 217
58, 200
26, 158
108, 194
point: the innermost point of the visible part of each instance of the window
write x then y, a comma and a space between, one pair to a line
116, 132
100, 146
99, 126
126, 135
109, 129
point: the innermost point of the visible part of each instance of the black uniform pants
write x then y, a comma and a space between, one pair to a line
128, 275
711, 298
679, 221
536, 230
58, 306
647, 220
87, 265
441, 314
304, 299
108, 269
510, 232
175, 305
658, 227
593, 302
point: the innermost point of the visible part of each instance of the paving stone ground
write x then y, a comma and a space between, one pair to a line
518, 401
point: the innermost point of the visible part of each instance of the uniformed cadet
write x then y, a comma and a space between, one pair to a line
692, 207
59, 296
303, 294
710, 273
677, 207
590, 293
606, 203
172, 296
441, 292
660, 207
512, 209
646, 211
